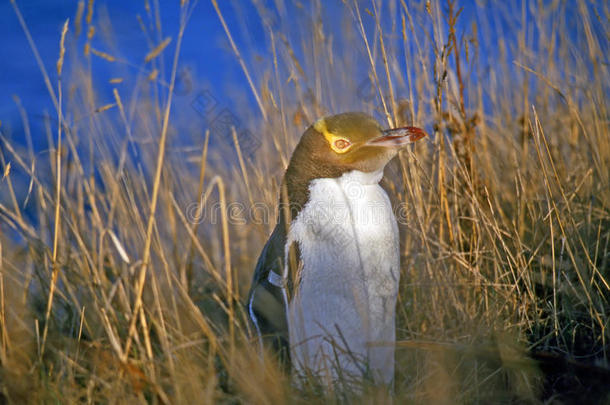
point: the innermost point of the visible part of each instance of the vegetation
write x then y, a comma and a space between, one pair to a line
120, 283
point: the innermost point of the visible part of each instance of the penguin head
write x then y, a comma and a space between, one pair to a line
356, 141
339, 144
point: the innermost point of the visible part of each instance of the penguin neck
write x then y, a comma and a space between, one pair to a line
364, 178
296, 186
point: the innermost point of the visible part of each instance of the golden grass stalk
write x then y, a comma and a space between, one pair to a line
242, 63
58, 153
154, 196
157, 50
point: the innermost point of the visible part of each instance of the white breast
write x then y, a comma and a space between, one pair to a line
346, 299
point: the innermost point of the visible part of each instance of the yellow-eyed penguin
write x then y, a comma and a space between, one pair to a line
325, 285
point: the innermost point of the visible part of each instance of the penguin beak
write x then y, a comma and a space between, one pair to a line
398, 137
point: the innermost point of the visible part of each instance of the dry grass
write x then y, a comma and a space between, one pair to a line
111, 292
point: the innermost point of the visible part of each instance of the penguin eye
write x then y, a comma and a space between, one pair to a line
341, 144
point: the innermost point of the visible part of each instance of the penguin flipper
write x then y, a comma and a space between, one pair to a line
266, 303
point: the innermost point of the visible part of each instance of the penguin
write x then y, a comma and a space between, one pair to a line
323, 294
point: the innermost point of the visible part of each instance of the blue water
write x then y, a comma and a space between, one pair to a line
203, 51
